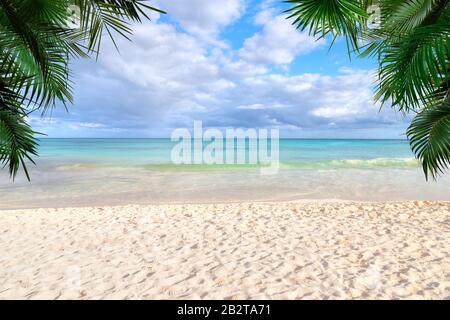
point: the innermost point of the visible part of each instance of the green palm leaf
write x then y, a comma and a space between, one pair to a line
429, 135
17, 142
412, 46
36, 45
112, 16
335, 17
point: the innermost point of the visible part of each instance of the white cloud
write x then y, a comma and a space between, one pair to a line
278, 43
170, 68
336, 112
203, 17
167, 78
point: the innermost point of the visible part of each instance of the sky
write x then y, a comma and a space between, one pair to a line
229, 64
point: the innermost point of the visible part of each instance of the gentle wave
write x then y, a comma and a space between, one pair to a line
395, 163
354, 164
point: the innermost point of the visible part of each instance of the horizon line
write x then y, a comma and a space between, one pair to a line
143, 138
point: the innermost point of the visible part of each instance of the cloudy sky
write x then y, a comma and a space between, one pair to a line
228, 63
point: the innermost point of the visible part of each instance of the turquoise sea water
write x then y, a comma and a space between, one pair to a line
295, 153
86, 172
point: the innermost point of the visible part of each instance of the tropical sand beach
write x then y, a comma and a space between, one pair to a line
237, 149
249, 250
112, 218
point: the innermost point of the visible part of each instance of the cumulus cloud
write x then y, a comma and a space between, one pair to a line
278, 43
167, 78
203, 17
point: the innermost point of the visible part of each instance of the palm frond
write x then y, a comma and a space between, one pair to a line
36, 45
413, 68
429, 135
407, 15
111, 16
17, 139
412, 46
335, 17
37, 53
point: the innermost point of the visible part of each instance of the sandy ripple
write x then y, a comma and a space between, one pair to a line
228, 251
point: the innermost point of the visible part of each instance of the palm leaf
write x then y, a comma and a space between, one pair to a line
429, 135
335, 17
412, 46
17, 142
111, 16
36, 46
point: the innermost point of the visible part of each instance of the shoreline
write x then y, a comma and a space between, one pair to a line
247, 250
117, 188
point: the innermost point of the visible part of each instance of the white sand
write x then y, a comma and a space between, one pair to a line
228, 251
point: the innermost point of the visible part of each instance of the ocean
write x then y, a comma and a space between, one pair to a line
82, 172
296, 153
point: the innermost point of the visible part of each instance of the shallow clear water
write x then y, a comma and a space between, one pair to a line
79, 172
157, 151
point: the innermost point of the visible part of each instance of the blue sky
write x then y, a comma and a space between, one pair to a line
229, 63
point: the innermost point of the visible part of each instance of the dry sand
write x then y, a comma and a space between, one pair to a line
315, 250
